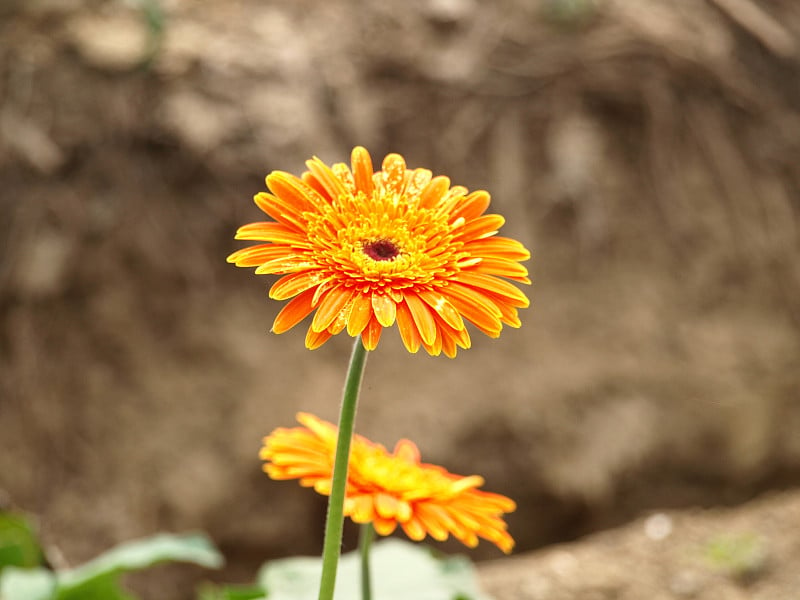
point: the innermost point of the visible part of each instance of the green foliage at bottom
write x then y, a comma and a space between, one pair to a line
231, 592
23, 575
400, 570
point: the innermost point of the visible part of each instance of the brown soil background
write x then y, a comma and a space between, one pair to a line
647, 151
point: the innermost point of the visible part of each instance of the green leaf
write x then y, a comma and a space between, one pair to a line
18, 544
400, 570
231, 592
27, 584
100, 588
96, 579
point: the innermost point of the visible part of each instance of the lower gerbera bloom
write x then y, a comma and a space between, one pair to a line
390, 489
364, 249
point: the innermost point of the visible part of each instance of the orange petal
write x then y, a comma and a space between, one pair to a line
468, 538
384, 526
482, 227
414, 529
423, 318
277, 233
463, 520
324, 430
429, 521
459, 336
257, 255
418, 179
290, 263
504, 541
343, 174
291, 285
475, 307
371, 334
508, 314
449, 346
498, 247
472, 206
407, 450
331, 306
393, 173
512, 294
341, 320
435, 511
451, 200
360, 314
281, 210
408, 329
385, 309
315, 339
434, 348
443, 308
362, 509
297, 309
295, 191
313, 183
503, 268
326, 178
385, 505
434, 191
362, 170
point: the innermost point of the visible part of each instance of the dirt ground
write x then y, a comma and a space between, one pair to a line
747, 553
648, 152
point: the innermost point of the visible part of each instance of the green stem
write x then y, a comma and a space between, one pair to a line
365, 537
335, 521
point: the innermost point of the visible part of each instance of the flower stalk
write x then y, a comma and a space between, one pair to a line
334, 523
365, 537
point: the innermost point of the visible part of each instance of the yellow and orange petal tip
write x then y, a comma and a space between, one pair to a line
390, 489
361, 250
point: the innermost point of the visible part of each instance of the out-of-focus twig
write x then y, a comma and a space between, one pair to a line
760, 25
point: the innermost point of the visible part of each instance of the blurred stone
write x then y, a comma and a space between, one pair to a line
41, 268
449, 11
119, 42
658, 527
184, 46
29, 141
201, 123
687, 583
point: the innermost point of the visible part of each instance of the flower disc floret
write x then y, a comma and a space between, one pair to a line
362, 250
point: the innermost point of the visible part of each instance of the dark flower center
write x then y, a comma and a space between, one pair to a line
381, 250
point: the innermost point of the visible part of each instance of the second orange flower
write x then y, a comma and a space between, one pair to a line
390, 489
363, 249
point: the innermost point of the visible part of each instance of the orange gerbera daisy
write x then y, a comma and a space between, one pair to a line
387, 489
365, 249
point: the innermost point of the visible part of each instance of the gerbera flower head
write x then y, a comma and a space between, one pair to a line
363, 249
390, 489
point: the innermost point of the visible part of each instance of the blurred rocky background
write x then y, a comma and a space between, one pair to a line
648, 151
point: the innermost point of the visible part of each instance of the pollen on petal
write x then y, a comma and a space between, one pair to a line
394, 173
